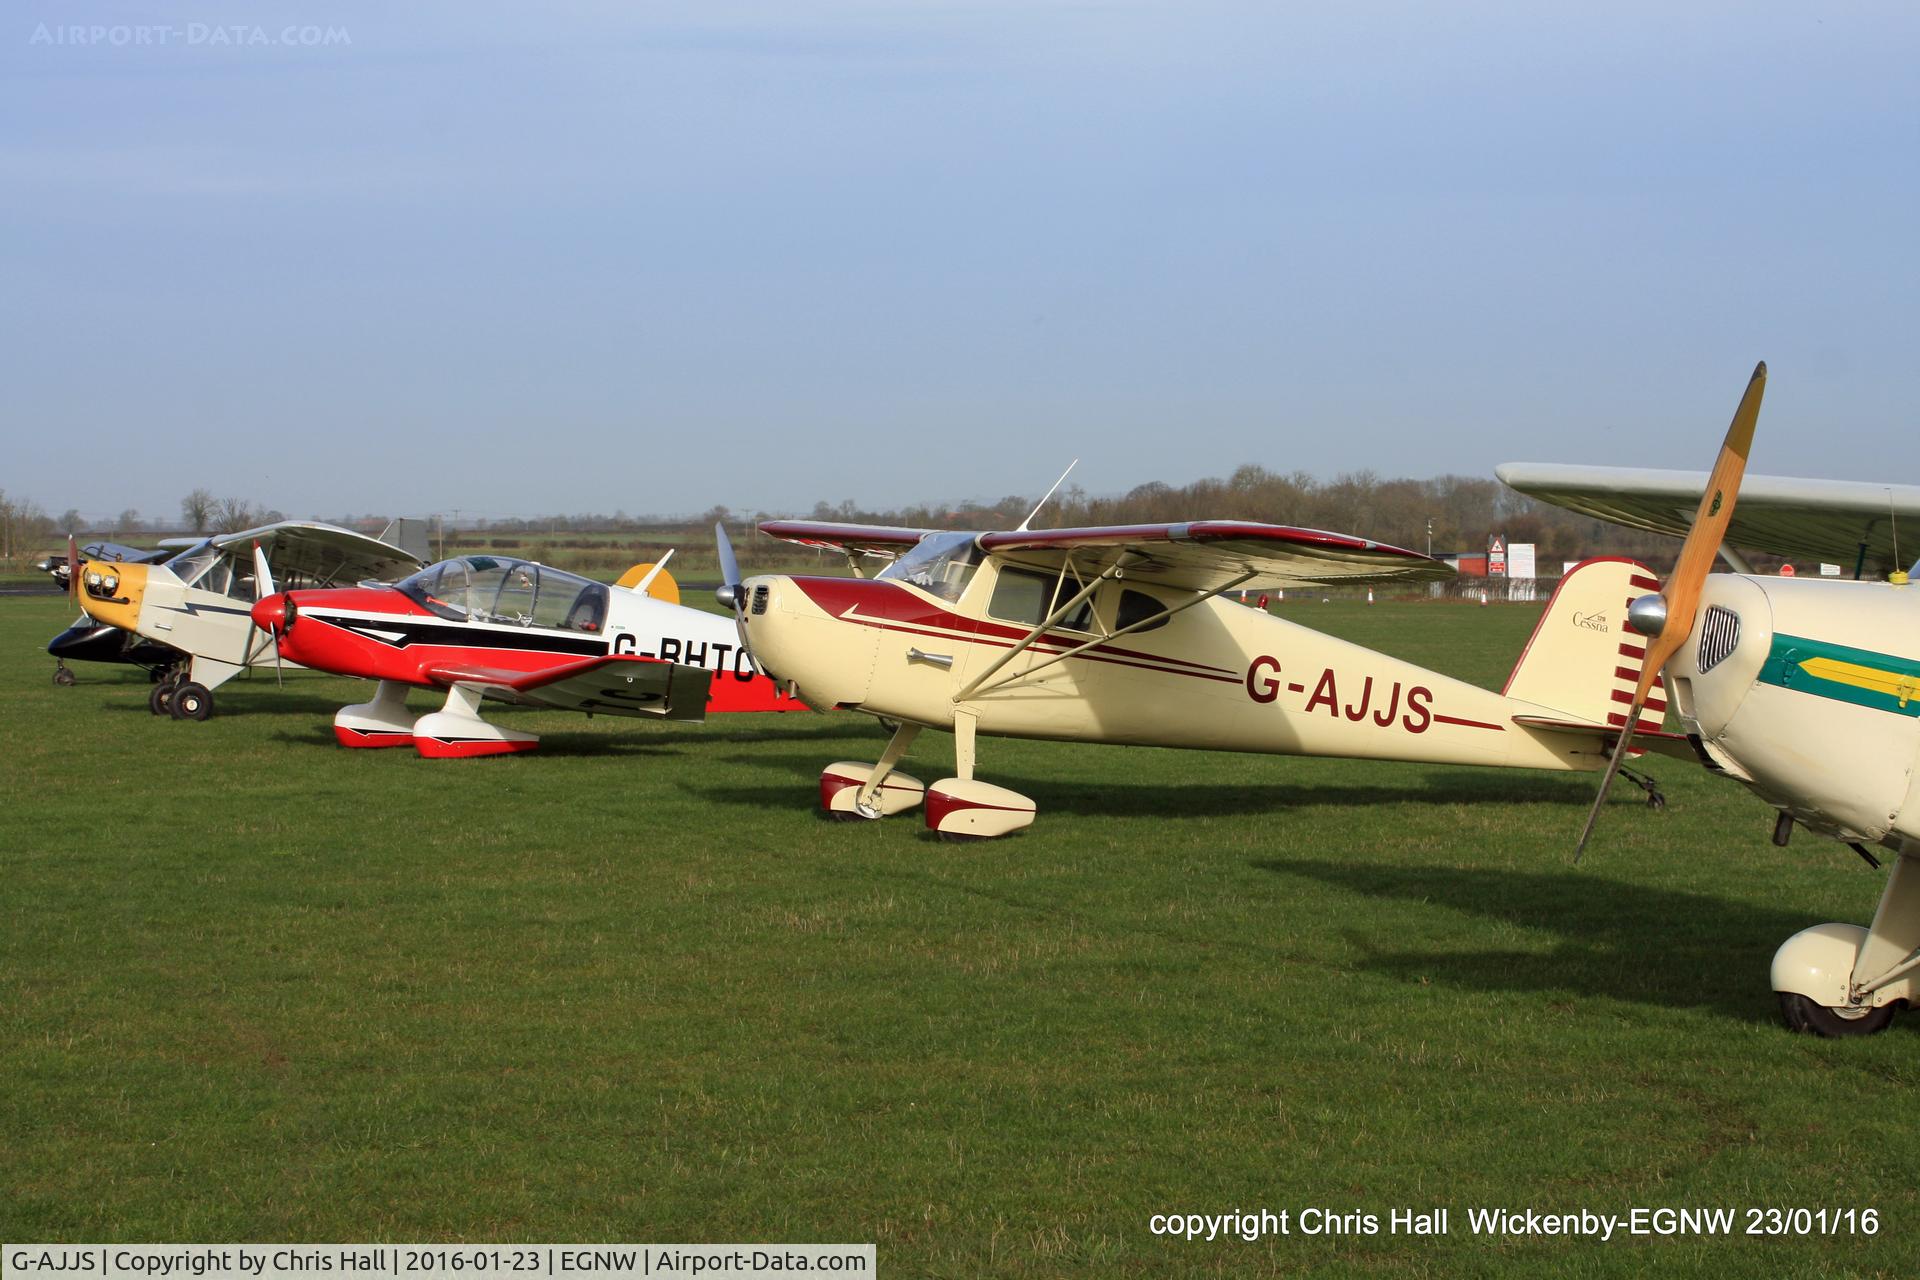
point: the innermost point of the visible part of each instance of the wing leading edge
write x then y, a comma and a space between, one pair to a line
1208, 555
855, 539
1200, 555
1843, 522
324, 553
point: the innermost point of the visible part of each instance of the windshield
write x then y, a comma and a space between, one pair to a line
519, 592
191, 563
942, 563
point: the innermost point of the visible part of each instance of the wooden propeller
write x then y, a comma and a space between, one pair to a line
1681, 595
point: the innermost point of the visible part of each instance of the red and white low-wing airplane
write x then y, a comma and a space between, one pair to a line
492, 627
1122, 635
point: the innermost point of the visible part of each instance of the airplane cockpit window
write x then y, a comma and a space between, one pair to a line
194, 561
447, 588
513, 602
569, 603
1136, 607
490, 589
942, 563
1020, 595
219, 578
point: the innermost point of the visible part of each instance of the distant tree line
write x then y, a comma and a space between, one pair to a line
1462, 512
1447, 513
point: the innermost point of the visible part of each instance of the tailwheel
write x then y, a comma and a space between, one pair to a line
1656, 798
1805, 1014
191, 702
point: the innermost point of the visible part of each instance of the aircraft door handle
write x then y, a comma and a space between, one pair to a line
941, 660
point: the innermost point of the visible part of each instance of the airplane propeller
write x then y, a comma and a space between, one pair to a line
262, 588
73, 571
1667, 619
728, 592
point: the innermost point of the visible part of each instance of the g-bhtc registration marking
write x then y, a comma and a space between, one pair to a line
693, 653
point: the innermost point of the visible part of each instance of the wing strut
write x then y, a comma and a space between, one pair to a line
1113, 570
1151, 620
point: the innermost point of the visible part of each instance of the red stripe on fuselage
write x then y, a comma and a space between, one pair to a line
325, 645
1469, 724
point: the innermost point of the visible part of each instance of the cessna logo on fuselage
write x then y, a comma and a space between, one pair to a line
693, 653
1595, 621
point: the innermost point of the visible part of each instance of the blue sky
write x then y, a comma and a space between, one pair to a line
519, 259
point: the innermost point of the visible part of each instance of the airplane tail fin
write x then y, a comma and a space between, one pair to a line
652, 579
1583, 658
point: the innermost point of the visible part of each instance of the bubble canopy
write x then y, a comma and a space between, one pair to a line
512, 592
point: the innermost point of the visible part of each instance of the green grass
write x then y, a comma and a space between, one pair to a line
630, 987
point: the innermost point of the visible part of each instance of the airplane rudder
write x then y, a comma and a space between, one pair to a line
1583, 658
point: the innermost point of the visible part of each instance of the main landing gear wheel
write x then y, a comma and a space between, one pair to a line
1804, 1014
63, 676
160, 700
191, 702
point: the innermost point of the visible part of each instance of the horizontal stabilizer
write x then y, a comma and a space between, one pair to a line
1658, 741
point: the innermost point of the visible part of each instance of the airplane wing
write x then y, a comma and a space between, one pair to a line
620, 684
1213, 555
316, 554
1843, 522
885, 541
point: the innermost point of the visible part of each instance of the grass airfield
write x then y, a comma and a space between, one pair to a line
631, 987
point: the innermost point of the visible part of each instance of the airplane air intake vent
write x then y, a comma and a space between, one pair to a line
759, 600
1719, 636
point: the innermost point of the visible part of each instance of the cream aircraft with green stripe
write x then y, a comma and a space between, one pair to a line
1806, 689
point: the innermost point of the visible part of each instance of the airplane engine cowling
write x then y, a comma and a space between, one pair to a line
1811, 690
793, 638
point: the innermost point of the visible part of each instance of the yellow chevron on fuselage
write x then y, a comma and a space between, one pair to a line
1893, 684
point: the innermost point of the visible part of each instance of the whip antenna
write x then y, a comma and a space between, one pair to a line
1043, 502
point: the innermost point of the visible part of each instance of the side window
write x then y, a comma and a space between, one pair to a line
515, 601
1136, 607
240, 583
218, 579
190, 564
442, 589
567, 603
1027, 598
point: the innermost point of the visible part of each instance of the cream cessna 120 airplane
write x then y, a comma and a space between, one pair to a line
199, 601
1805, 689
1124, 635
